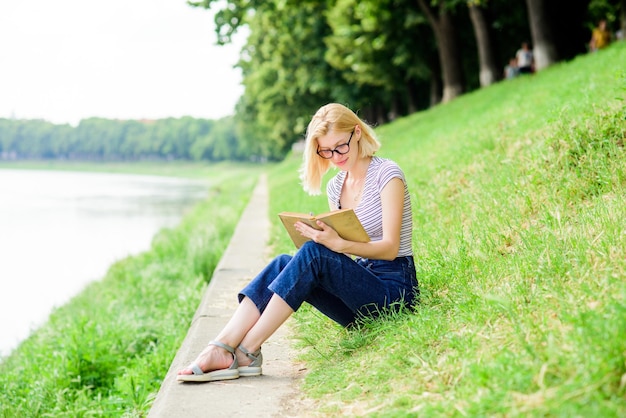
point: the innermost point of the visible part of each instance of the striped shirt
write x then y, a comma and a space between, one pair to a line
370, 210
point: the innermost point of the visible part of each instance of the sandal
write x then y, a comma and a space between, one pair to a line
224, 374
254, 368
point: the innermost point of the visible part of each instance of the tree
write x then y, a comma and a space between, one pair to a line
286, 77
489, 70
544, 49
623, 17
382, 47
439, 14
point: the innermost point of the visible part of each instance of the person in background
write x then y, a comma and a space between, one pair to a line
600, 37
347, 281
511, 70
525, 60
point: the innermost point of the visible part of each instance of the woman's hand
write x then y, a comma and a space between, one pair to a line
327, 236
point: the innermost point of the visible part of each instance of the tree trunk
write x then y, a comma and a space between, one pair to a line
411, 103
623, 18
544, 49
435, 90
445, 35
380, 114
394, 110
489, 70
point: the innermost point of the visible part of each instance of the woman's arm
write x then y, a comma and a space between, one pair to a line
392, 198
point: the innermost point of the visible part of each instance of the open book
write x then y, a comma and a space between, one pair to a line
344, 221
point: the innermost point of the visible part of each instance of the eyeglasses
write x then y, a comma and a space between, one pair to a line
340, 149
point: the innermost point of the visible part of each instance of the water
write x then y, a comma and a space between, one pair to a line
61, 230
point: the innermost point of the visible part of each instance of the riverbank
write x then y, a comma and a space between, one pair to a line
107, 350
75, 225
275, 393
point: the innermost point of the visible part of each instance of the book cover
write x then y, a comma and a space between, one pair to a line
344, 221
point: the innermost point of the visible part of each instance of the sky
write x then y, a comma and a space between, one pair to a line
67, 60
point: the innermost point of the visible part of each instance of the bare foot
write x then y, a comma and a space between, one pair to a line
211, 358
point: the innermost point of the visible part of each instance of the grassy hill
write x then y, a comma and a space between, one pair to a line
519, 203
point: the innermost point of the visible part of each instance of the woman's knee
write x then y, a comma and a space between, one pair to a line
277, 264
312, 249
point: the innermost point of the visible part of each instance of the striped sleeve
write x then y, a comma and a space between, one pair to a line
389, 170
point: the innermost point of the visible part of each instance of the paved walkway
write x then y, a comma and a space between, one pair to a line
276, 392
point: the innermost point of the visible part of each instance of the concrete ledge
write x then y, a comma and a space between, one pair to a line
275, 393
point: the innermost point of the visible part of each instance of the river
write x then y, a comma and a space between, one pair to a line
61, 230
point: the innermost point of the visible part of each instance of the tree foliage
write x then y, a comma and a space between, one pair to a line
382, 46
382, 58
285, 75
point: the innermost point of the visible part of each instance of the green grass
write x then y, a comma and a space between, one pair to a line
520, 245
106, 352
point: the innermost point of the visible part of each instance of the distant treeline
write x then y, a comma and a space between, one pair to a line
100, 139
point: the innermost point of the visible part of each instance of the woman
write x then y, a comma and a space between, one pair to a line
380, 275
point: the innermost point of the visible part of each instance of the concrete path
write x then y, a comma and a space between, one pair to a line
276, 392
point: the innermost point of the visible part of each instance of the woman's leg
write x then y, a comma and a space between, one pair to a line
274, 315
340, 287
246, 322
216, 358
334, 283
246, 327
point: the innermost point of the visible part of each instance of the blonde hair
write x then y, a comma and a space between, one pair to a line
335, 118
